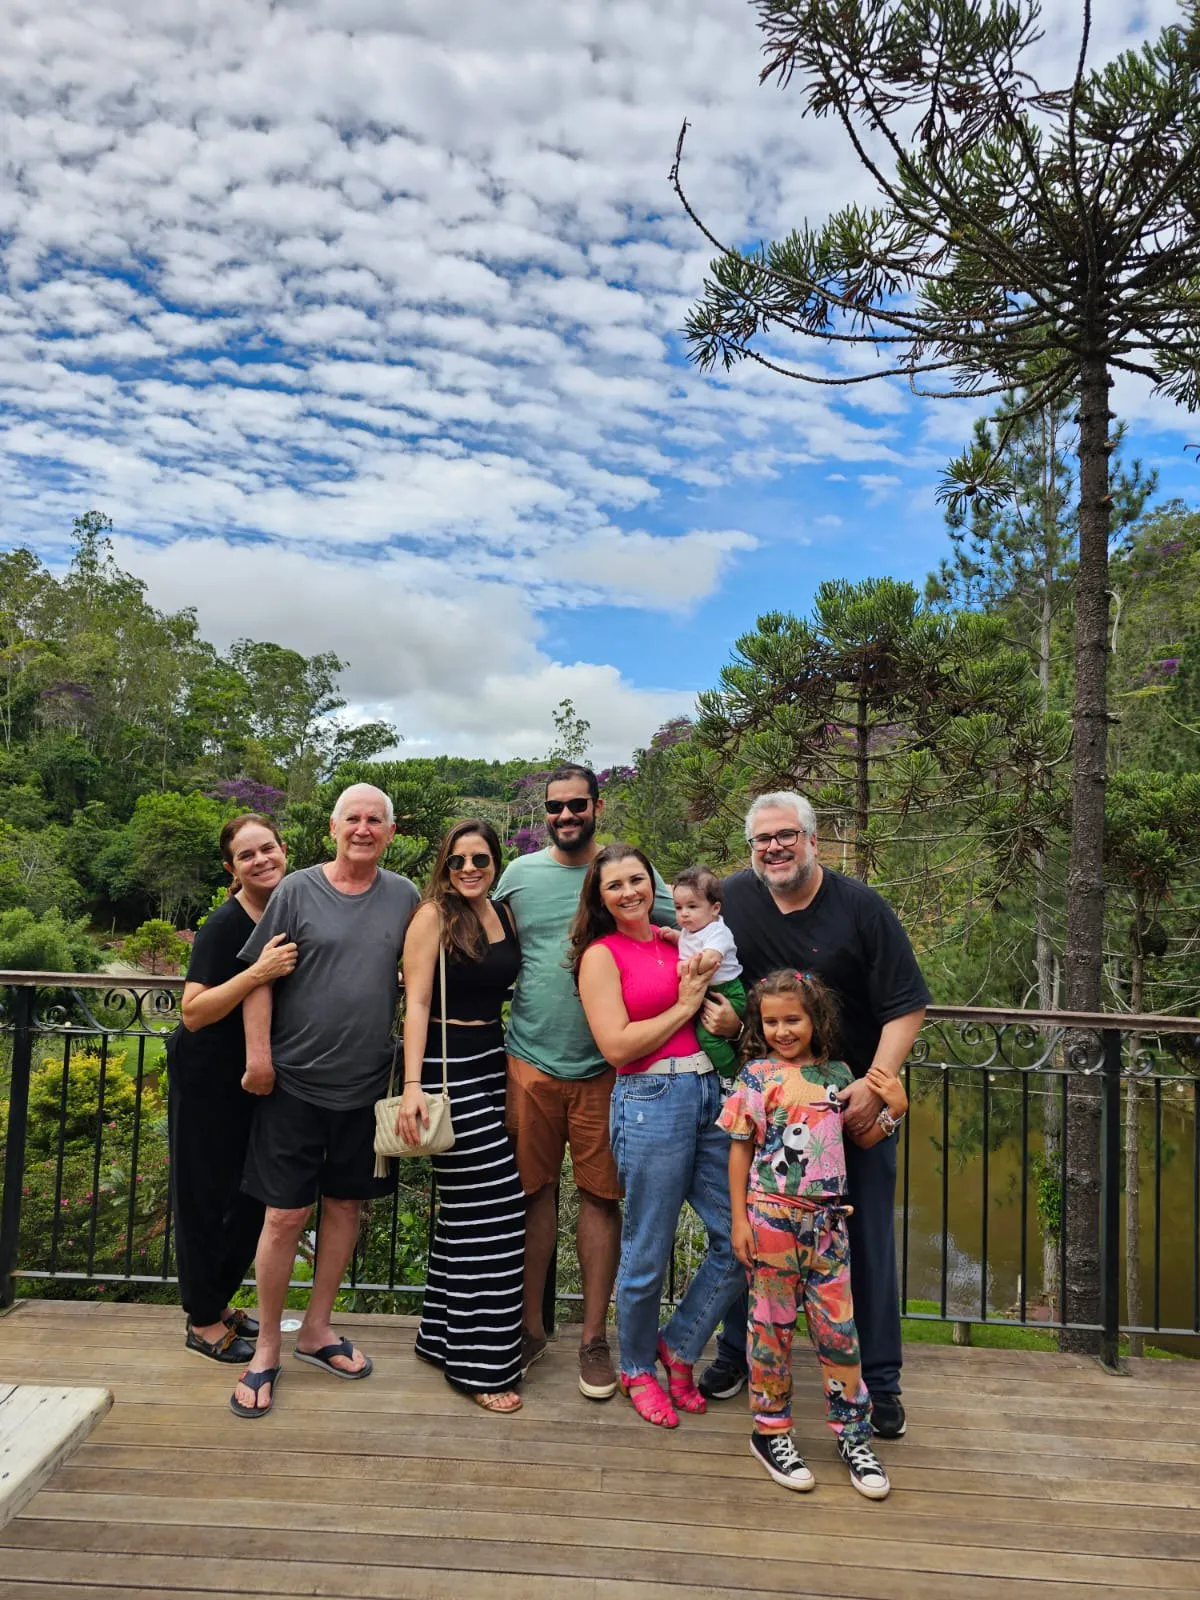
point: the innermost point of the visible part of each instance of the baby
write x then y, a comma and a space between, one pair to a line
702, 932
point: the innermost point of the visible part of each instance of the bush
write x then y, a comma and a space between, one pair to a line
44, 944
156, 947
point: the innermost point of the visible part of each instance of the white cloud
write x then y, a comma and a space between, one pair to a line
379, 281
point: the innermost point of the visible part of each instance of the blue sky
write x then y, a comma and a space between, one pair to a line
360, 319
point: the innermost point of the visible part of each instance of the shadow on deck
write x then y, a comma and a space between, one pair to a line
1019, 1467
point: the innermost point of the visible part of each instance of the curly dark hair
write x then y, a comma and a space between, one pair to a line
593, 919
818, 1002
462, 931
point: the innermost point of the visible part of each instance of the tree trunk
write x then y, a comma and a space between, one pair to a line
1085, 877
1047, 991
862, 787
1133, 1155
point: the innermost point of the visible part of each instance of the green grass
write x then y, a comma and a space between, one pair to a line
996, 1335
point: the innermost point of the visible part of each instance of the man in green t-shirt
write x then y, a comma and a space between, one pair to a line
559, 1085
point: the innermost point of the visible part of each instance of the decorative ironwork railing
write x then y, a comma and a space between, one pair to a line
982, 1223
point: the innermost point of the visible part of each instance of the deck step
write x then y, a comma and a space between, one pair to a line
40, 1428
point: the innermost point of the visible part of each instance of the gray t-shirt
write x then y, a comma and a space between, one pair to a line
331, 1019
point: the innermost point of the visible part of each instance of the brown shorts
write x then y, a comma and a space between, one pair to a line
547, 1114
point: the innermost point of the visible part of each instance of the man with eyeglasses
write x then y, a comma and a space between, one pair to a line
559, 1085
787, 910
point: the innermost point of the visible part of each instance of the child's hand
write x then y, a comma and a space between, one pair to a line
743, 1241
671, 935
889, 1089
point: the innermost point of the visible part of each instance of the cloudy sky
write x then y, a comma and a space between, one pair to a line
360, 319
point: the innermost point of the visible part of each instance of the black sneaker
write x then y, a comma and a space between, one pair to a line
866, 1471
721, 1380
778, 1453
887, 1416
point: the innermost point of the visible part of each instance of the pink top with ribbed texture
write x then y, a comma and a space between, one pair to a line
650, 986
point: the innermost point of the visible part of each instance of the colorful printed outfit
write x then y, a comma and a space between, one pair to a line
797, 1209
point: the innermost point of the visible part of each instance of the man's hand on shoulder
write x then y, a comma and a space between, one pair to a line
258, 1078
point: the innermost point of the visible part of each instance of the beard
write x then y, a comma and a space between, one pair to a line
800, 874
580, 841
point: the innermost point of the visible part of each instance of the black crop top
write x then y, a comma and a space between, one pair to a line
475, 990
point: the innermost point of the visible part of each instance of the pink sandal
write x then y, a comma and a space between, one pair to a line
680, 1383
649, 1400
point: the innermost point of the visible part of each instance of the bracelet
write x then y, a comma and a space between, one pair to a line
888, 1122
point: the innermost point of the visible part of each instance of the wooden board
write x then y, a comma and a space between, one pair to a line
39, 1429
1018, 1472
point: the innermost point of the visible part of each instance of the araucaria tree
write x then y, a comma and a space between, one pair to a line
1023, 237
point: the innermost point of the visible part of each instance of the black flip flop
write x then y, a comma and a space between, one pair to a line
324, 1358
255, 1381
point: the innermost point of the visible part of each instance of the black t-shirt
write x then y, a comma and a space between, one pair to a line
849, 936
221, 1046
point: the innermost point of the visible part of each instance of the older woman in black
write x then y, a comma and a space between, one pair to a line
471, 1319
216, 1225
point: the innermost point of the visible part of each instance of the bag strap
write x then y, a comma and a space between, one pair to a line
442, 981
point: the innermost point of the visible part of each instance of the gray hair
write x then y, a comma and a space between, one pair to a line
785, 800
388, 807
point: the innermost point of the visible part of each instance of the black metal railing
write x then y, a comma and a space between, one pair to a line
982, 1219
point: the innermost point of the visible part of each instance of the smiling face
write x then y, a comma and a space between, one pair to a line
571, 814
787, 1027
786, 866
627, 893
470, 867
360, 828
257, 859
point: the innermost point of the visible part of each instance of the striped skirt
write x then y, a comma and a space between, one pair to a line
471, 1319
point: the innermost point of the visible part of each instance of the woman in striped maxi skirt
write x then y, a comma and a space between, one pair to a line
471, 1321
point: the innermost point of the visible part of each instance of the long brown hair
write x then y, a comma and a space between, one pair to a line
817, 1001
230, 832
462, 931
593, 919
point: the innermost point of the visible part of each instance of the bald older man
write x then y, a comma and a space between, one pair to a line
318, 1051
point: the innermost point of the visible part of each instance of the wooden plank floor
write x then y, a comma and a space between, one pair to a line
1018, 1468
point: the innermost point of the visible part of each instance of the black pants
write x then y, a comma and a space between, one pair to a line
216, 1225
873, 1281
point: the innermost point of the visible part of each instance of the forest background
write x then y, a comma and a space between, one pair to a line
931, 730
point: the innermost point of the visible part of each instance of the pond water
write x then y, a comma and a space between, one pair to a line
967, 1205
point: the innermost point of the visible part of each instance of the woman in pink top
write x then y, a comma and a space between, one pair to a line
640, 1000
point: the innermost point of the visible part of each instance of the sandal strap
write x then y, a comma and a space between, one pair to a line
255, 1380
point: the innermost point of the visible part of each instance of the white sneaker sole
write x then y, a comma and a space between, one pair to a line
880, 1493
597, 1391
801, 1484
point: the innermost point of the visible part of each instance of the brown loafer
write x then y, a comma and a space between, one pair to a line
597, 1375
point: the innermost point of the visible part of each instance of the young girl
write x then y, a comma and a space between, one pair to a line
787, 1187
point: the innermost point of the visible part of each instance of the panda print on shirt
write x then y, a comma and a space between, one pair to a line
794, 1118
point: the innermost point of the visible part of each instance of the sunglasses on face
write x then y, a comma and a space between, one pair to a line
576, 807
479, 861
783, 836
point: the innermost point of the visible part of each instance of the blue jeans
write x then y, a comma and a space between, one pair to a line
668, 1149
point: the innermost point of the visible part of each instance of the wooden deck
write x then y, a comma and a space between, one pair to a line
1018, 1468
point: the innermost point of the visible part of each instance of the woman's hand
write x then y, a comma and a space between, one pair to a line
693, 984
277, 959
742, 1238
413, 1115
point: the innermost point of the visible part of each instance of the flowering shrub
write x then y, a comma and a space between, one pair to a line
247, 795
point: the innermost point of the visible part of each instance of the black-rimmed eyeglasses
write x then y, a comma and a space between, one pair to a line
783, 836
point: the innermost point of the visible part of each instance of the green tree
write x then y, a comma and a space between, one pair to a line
173, 841
49, 943
572, 734
157, 947
1014, 225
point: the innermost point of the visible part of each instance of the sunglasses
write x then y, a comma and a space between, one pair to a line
479, 861
576, 807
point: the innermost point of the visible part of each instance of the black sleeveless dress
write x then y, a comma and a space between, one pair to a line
471, 1318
